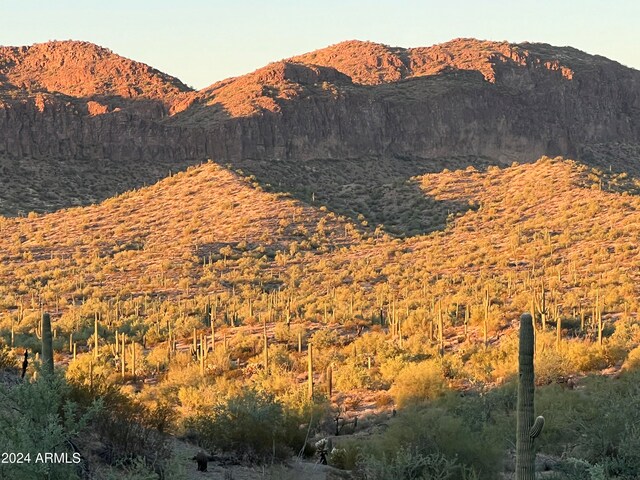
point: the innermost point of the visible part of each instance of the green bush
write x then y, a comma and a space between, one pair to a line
406, 464
435, 429
577, 469
345, 456
38, 418
595, 421
351, 375
7, 358
252, 424
128, 429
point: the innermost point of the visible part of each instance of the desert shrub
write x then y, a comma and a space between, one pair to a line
279, 357
345, 456
157, 357
550, 365
128, 428
563, 411
408, 464
633, 360
252, 424
435, 429
594, 421
584, 356
283, 333
417, 382
195, 399
325, 338
153, 338
375, 343
86, 370
390, 367
135, 469
490, 364
576, 469
133, 430
7, 358
383, 399
481, 409
352, 375
41, 417
629, 453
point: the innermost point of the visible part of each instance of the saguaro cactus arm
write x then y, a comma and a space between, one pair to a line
537, 427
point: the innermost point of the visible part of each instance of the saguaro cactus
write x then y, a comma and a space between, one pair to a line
95, 335
440, 328
265, 348
47, 344
133, 360
123, 362
527, 428
310, 372
486, 304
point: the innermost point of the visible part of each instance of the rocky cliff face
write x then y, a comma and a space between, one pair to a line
74, 101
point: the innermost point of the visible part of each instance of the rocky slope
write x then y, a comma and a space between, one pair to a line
383, 110
82, 69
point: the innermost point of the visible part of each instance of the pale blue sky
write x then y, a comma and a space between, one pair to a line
201, 42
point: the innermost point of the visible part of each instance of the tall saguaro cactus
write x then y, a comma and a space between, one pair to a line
95, 335
47, 344
310, 372
265, 348
527, 428
486, 304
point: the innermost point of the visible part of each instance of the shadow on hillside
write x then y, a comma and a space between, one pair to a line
371, 191
49, 184
99, 146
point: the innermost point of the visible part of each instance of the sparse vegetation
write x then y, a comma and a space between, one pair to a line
164, 320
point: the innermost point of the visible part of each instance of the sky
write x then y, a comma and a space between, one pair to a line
201, 42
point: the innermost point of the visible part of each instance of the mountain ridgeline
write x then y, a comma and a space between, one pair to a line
79, 123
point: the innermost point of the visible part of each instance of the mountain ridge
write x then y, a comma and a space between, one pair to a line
83, 69
314, 124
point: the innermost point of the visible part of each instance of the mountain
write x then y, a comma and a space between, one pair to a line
341, 125
370, 225
166, 230
552, 217
82, 69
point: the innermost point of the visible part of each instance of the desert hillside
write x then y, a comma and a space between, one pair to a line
327, 118
331, 251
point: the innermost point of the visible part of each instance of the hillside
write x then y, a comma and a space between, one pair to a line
335, 247
209, 255
84, 70
340, 119
369, 63
554, 223
161, 233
